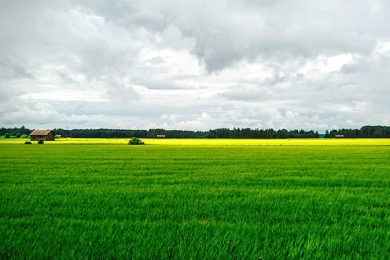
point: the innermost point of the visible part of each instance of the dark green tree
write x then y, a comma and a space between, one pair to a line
377, 134
135, 141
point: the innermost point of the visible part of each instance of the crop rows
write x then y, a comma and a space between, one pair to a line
194, 202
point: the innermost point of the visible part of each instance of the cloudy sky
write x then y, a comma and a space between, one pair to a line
195, 64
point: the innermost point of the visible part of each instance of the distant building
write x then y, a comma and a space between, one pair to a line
160, 136
46, 135
339, 136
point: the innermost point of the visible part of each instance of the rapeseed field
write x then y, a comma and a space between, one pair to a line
180, 199
217, 142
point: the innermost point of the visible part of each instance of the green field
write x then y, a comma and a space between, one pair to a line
194, 202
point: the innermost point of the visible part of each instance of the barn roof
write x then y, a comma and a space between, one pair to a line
40, 132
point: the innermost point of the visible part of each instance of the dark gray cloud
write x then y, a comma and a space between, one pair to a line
230, 32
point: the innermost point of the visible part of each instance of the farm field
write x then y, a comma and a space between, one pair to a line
215, 142
204, 201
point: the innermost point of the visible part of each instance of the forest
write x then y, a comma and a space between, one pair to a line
364, 132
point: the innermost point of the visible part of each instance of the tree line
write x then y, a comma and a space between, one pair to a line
212, 133
364, 132
15, 132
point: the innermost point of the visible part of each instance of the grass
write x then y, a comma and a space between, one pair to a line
194, 201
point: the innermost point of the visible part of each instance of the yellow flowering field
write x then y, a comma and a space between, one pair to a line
216, 142
268, 142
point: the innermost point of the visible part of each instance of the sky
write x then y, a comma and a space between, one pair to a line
194, 65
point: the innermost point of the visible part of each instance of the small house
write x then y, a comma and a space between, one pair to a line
160, 136
46, 135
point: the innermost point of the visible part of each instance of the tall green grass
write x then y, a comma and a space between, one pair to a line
190, 202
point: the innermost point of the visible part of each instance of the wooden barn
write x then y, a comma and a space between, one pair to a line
46, 135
